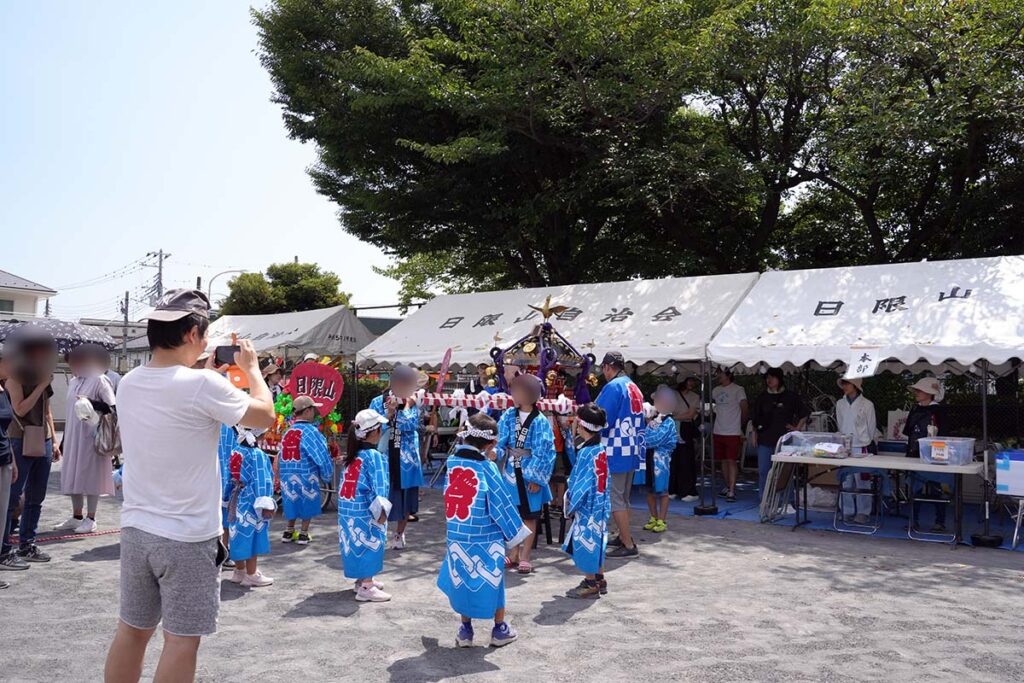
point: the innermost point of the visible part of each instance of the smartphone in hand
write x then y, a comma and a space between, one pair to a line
225, 355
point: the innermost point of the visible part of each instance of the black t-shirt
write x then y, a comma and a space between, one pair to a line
772, 412
6, 416
918, 420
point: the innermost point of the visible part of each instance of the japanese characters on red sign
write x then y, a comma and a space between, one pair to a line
320, 382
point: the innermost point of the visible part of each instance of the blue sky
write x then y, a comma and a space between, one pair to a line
127, 127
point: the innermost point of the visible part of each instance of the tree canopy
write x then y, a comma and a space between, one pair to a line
534, 142
285, 287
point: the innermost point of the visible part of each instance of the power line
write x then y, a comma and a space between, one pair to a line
127, 269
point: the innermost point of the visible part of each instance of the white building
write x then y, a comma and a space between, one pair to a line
22, 298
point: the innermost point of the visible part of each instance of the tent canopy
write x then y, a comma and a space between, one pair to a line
332, 331
941, 313
648, 321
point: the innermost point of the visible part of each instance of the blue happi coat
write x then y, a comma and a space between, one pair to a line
536, 467
661, 435
623, 403
225, 444
362, 498
407, 422
303, 462
247, 492
482, 523
587, 502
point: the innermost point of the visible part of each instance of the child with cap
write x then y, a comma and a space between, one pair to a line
482, 521
526, 451
363, 506
304, 461
249, 496
661, 438
400, 444
588, 504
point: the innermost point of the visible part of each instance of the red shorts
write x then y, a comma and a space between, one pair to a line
727, 447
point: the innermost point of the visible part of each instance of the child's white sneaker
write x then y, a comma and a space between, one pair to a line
237, 576
370, 593
69, 524
257, 580
376, 583
399, 542
87, 526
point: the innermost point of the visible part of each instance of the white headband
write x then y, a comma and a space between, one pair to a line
591, 427
480, 433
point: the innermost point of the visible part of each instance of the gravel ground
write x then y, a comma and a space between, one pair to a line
710, 600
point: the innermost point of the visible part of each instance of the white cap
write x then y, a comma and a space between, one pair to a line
366, 421
311, 356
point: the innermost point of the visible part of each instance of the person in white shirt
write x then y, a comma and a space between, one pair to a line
170, 417
731, 413
855, 415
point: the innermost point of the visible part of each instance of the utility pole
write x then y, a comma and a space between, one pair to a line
199, 283
124, 336
158, 286
47, 310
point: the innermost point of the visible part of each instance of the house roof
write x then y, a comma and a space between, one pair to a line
12, 281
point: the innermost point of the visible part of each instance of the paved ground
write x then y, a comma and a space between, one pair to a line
711, 600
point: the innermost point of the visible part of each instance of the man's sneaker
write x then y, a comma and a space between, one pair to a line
502, 634
237, 576
86, 526
11, 562
303, 538
939, 529
376, 583
227, 564
651, 523
289, 536
659, 527
587, 590
861, 519
602, 584
624, 552
69, 524
257, 580
615, 542
399, 542
371, 593
32, 553
689, 499
464, 638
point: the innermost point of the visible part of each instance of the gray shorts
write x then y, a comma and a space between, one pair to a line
619, 486
169, 580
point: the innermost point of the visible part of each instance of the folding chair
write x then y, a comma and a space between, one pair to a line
874, 494
931, 493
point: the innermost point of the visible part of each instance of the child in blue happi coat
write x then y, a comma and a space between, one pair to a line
526, 451
482, 521
302, 464
661, 438
363, 506
400, 445
588, 504
249, 495
225, 444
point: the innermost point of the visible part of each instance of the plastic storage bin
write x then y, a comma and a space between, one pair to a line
803, 443
959, 451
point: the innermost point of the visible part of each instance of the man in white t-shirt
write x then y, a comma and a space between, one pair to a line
730, 418
170, 417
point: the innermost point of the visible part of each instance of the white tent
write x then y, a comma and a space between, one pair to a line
941, 313
648, 321
332, 331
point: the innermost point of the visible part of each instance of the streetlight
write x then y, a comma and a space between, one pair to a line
209, 285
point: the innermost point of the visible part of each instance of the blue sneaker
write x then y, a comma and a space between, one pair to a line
502, 634
465, 636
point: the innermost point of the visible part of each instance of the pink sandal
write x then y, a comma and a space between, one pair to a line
525, 568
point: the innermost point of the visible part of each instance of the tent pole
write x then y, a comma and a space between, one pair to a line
986, 539
707, 504
354, 394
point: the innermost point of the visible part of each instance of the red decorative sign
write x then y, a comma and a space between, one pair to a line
320, 382
350, 480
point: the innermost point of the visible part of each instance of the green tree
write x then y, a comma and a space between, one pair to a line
286, 287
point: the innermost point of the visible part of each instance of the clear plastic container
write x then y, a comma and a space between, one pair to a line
958, 450
803, 443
